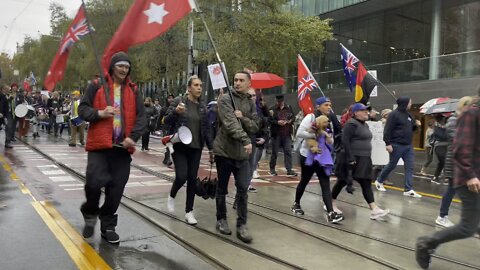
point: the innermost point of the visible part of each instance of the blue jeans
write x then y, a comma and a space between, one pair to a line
447, 199
404, 152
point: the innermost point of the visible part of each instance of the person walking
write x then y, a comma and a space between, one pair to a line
76, 126
189, 112
117, 121
466, 155
166, 159
232, 148
447, 197
440, 137
398, 134
428, 146
150, 118
356, 157
281, 125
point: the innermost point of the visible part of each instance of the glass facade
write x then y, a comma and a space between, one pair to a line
315, 7
398, 42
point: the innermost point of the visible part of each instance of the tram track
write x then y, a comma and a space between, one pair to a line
275, 220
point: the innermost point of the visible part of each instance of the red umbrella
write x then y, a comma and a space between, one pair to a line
266, 80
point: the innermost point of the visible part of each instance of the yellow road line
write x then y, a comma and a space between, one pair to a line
421, 193
82, 260
87, 250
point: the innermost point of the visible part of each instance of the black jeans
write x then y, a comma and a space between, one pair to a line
323, 178
240, 170
441, 153
187, 162
365, 184
11, 123
469, 223
109, 169
286, 144
145, 139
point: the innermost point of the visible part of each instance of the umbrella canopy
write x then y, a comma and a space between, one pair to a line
443, 107
431, 102
266, 80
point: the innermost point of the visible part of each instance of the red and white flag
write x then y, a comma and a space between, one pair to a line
306, 84
146, 20
78, 29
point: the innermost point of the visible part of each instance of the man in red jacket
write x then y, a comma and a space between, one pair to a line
466, 152
117, 120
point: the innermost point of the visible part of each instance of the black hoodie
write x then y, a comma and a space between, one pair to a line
400, 125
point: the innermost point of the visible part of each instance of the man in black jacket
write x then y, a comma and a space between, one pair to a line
281, 128
398, 134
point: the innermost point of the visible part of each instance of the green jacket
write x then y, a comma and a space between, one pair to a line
232, 134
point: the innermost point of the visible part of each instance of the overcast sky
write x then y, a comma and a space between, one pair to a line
20, 18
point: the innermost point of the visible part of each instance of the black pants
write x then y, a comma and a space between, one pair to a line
145, 139
323, 178
109, 169
365, 184
240, 170
286, 144
52, 123
11, 123
469, 223
441, 153
187, 162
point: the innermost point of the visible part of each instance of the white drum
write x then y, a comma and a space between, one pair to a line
21, 110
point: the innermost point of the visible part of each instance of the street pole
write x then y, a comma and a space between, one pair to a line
190, 49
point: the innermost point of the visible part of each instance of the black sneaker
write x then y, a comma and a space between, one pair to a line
435, 181
291, 173
273, 172
297, 209
244, 235
8, 145
89, 227
334, 218
252, 189
111, 236
222, 227
423, 252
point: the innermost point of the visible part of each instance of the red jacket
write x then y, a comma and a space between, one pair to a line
100, 132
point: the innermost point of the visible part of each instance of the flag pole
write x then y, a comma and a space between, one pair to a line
97, 59
217, 55
386, 88
311, 75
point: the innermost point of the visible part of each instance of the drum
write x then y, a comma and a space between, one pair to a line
41, 114
31, 112
77, 121
21, 110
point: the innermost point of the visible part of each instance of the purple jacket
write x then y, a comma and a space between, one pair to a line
324, 158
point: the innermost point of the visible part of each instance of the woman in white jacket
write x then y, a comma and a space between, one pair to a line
305, 132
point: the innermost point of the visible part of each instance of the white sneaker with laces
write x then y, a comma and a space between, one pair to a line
378, 213
335, 209
171, 204
190, 218
412, 193
379, 186
444, 222
255, 174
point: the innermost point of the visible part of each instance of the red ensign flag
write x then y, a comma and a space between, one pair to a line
306, 84
146, 20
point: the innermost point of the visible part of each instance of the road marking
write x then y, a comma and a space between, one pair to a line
71, 185
47, 166
142, 176
53, 172
419, 192
73, 189
82, 254
62, 178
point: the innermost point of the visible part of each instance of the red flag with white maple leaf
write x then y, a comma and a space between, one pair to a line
77, 30
146, 20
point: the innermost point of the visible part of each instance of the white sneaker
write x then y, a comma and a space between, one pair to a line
412, 193
255, 174
444, 222
190, 218
379, 186
171, 204
378, 213
335, 209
